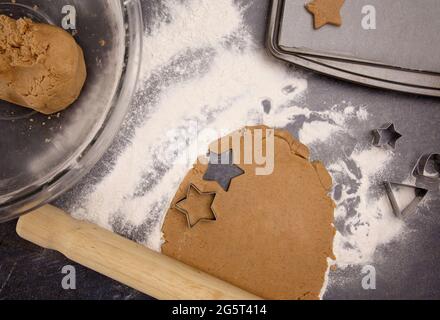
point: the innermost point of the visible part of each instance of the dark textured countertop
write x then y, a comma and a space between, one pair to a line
410, 269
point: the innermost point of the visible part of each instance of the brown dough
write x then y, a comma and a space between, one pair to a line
326, 12
273, 234
41, 66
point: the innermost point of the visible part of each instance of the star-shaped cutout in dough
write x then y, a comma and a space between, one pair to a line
222, 169
326, 12
386, 136
197, 206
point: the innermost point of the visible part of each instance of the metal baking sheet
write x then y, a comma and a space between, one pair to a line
406, 35
389, 57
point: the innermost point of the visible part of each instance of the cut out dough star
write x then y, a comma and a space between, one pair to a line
197, 206
326, 12
222, 169
386, 136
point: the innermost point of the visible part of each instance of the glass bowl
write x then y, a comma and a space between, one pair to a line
43, 156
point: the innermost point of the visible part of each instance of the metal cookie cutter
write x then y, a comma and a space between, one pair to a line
178, 206
386, 136
427, 171
420, 194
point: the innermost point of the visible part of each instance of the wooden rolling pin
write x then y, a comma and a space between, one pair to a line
123, 260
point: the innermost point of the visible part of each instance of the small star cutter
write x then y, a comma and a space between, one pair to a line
425, 177
192, 186
386, 136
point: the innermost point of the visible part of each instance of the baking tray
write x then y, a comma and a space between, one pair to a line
401, 54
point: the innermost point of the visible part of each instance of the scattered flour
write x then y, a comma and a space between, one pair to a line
223, 96
317, 131
207, 74
367, 217
196, 24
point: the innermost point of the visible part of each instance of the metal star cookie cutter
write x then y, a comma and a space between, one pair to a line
186, 213
425, 177
386, 136
420, 194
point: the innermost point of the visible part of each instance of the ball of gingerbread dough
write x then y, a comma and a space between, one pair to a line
41, 66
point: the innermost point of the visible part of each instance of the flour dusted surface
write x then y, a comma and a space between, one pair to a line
202, 70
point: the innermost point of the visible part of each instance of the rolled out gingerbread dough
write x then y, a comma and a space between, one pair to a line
273, 234
41, 66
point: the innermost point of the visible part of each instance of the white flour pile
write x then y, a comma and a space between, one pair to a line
206, 72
